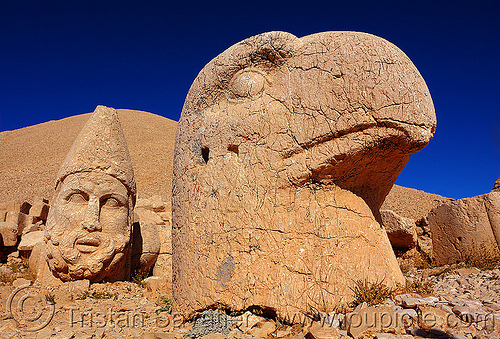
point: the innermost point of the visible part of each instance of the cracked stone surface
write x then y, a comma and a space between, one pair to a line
467, 229
285, 151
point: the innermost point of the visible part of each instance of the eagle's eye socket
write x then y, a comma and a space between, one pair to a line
247, 83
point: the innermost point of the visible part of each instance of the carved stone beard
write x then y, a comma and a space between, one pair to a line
68, 263
108, 262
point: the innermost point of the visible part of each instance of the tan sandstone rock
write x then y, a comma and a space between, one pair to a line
15, 205
401, 231
285, 151
145, 248
22, 220
146, 216
8, 231
40, 210
163, 264
466, 229
430, 317
29, 240
322, 331
157, 286
13, 217
153, 238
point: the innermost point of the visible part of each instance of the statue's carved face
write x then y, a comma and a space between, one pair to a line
88, 229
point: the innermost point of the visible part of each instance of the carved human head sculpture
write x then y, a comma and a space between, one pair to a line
88, 231
285, 150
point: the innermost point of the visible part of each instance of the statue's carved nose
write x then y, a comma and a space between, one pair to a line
91, 222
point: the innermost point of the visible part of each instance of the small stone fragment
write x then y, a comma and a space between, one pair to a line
13, 217
284, 332
435, 318
8, 230
20, 282
158, 335
78, 287
157, 204
262, 329
40, 210
6, 274
322, 331
401, 231
156, 286
29, 240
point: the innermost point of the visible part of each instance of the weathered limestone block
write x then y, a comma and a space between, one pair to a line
424, 243
157, 286
13, 217
466, 229
8, 231
32, 228
157, 203
21, 219
146, 216
89, 225
29, 240
40, 210
401, 231
25, 221
163, 264
154, 216
15, 206
145, 248
153, 203
37, 261
144, 203
285, 150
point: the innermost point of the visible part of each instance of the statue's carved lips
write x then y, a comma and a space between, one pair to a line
88, 244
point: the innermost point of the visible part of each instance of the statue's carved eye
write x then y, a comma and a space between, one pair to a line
77, 198
111, 202
247, 83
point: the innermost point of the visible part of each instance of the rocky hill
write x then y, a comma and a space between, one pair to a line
412, 203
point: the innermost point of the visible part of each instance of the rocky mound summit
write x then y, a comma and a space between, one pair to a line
412, 203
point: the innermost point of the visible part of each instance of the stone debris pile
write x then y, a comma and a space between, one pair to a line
17, 220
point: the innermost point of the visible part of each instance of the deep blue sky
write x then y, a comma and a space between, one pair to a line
61, 58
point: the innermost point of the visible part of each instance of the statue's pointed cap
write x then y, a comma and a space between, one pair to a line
100, 146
